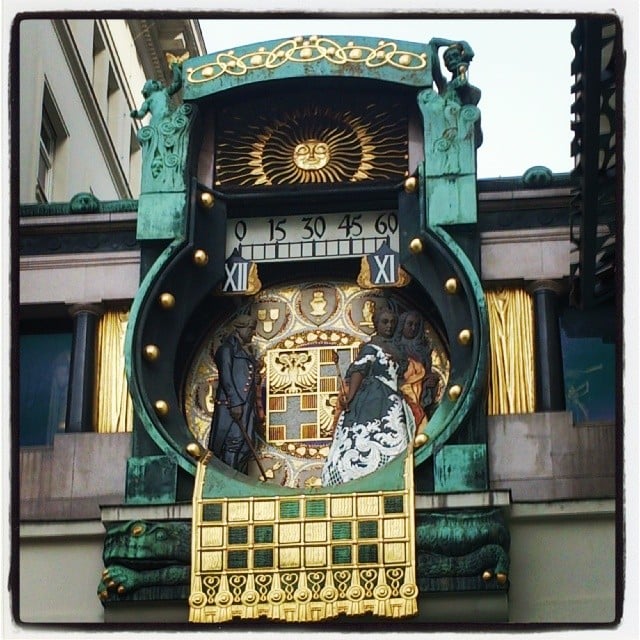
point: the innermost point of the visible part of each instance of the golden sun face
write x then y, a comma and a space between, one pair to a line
311, 155
311, 143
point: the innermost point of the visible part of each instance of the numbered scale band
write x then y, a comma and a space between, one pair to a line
306, 237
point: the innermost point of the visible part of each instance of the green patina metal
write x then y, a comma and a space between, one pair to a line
141, 403
151, 479
451, 135
400, 62
164, 142
451, 413
462, 549
146, 561
233, 484
461, 467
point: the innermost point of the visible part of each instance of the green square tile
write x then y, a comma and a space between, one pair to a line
237, 559
212, 512
393, 504
290, 509
341, 554
368, 529
367, 553
341, 530
238, 535
263, 558
263, 534
316, 508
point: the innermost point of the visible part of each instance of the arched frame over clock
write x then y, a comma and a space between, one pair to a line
181, 308
178, 311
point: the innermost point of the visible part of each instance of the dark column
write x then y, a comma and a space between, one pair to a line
83, 366
548, 348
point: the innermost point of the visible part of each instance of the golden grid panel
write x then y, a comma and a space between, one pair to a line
315, 532
289, 558
238, 511
290, 533
212, 536
315, 556
394, 528
264, 510
211, 561
341, 507
368, 505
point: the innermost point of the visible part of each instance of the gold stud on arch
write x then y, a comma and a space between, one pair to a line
200, 257
194, 450
207, 200
416, 246
151, 352
455, 391
451, 286
411, 184
167, 300
464, 337
161, 407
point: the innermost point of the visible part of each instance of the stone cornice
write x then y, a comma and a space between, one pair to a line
52, 209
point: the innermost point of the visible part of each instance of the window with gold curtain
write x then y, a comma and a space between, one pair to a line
511, 369
113, 407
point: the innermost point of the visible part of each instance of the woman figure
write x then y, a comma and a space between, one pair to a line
418, 383
376, 424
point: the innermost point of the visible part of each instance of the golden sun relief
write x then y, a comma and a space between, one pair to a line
315, 142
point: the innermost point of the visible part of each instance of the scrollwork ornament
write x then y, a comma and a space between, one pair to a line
470, 113
329, 594
382, 592
277, 596
408, 591
250, 598
224, 599
197, 600
313, 49
355, 593
302, 595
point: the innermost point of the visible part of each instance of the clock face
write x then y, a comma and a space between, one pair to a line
302, 323
307, 335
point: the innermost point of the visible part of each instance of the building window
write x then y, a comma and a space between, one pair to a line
50, 178
589, 363
44, 382
48, 141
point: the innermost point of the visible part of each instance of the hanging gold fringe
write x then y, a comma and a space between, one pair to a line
113, 406
511, 373
303, 558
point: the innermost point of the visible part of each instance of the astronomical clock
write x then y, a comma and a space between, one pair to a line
312, 184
